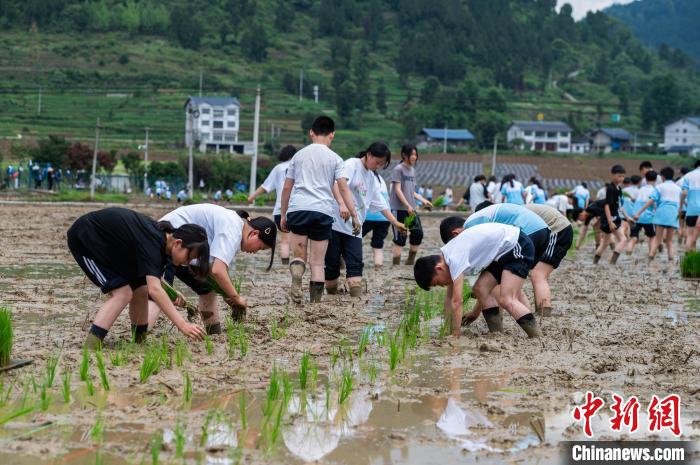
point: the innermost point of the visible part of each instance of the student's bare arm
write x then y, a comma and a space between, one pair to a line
684, 194
641, 210
456, 298
259, 191
344, 212
608, 216
392, 219
155, 290
219, 272
420, 198
396, 185
286, 193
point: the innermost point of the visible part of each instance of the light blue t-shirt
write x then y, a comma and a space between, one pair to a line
511, 214
691, 185
514, 193
644, 194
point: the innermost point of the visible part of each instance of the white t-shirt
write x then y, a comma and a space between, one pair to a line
476, 195
601, 193
224, 228
314, 169
475, 248
275, 182
366, 194
560, 202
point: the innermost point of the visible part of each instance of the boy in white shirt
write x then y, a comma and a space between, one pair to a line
501, 253
308, 206
275, 182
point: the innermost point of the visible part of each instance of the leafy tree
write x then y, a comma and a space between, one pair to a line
254, 42
53, 149
381, 98
661, 103
345, 97
186, 26
166, 170
132, 163
284, 16
430, 88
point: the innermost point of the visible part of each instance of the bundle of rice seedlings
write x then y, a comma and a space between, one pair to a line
439, 202
237, 312
690, 265
409, 220
6, 336
192, 309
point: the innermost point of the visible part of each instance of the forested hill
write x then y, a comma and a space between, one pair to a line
385, 68
669, 24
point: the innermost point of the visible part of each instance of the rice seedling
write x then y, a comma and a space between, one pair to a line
466, 293
345, 386
156, 446
192, 309
444, 328
151, 363
85, 365
205, 426
66, 386
120, 356
166, 358
90, 387
25, 393
287, 389
690, 265
187, 388
179, 439
409, 221
304, 366
231, 336
328, 397
6, 336
276, 427
277, 331
242, 339
35, 387
181, 352
16, 414
208, 344
335, 355
5, 395
364, 341
97, 430
372, 372
51, 365
439, 202
44, 398
393, 351
100, 360
243, 409
273, 392
314, 376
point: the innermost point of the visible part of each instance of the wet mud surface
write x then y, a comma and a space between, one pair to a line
631, 329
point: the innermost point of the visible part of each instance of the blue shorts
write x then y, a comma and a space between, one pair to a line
316, 226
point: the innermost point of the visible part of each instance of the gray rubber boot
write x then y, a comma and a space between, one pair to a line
494, 319
396, 260
316, 291
297, 268
92, 342
411, 258
531, 327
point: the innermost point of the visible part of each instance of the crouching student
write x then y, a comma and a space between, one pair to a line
308, 206
275, 182
124, 253
228, 233
360, 174
503, 253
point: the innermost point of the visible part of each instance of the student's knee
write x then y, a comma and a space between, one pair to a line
481, 291
506, 300
123, 294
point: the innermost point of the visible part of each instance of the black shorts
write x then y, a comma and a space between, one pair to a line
691, 221
415, 232
316, 226
380, 229
278, 221
559, 245
683, 214
649, 230
540, 239
184, 274
350, 248
519, 260
605, 227
99, 273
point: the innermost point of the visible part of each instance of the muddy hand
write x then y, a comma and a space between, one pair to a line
356, 225
192, 331
470, 317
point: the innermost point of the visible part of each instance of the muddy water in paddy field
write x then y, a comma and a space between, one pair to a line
626, 329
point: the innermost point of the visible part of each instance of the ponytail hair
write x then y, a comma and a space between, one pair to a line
193, 237
267, 231
379, 150
407, 150
535, 181
511, 180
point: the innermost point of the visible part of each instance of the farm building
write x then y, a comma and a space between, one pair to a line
580, 144
608, 140
432, 137
213, 124
683, 133
544, 136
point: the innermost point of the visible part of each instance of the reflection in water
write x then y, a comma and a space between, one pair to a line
455, 423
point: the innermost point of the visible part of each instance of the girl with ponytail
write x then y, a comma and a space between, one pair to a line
512, 190
229, 233
124, 253
360, 173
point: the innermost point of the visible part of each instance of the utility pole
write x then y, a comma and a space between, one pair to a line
301, 84
444, 140
38, 108
493, 157
145, 163
256, 129
190, 161
315, 94
94, 159
200, 82
634, 147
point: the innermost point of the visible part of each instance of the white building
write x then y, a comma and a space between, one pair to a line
580, 145
543, 136
214, 123
683, 135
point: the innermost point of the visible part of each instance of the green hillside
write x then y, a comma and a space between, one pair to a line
669, 24
384, 68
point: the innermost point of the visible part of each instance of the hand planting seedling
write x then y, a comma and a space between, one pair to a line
238, 304
179, 300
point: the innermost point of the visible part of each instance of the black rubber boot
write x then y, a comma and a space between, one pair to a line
316, 291
396, 260
614, 258
494, 319
530, 326
596, 259
214, 328
285, 261
411, 258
